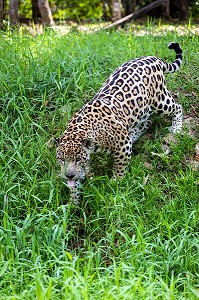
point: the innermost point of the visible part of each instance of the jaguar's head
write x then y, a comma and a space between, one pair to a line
73, 156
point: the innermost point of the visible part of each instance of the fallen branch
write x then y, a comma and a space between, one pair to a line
137, 14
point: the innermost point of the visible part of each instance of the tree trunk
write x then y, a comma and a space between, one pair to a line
45, 12
129, 6
35, 10
166, 9
116, 10
106, 6
13, 12
183, 7
1, 13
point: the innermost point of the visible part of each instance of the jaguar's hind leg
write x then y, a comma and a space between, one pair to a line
176, 119
169, 107
139, 130
144, 124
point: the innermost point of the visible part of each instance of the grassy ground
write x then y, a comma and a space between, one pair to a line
137, 239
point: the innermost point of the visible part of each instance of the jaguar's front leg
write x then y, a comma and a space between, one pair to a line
122, 155
75, 193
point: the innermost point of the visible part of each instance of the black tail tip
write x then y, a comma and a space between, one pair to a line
175, 47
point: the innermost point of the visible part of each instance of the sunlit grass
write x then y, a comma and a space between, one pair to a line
134, 239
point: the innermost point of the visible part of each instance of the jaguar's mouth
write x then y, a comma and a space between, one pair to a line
71, 183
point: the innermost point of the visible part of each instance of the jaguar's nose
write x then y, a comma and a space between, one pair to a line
70, 174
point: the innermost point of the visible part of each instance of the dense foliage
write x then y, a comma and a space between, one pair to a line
81, 10
74, 9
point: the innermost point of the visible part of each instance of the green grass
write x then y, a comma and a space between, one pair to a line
134, 239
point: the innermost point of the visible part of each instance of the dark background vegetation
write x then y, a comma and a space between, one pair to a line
106, 10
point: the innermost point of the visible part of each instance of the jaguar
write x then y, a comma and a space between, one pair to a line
117, 116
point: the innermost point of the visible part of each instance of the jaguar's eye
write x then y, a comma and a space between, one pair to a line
61, 161
78, 159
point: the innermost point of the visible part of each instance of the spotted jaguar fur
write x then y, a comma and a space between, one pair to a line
117, 116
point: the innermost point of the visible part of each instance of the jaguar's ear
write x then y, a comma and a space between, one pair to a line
53, 142
57, 141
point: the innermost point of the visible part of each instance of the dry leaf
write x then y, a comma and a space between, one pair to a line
194, 94
194, 164
45, 103
165, 153
197, 150
148, 165
170, 138
147, 136
166, 148
192, 124
146, 179
108, 263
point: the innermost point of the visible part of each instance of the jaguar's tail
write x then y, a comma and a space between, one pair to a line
174, 66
